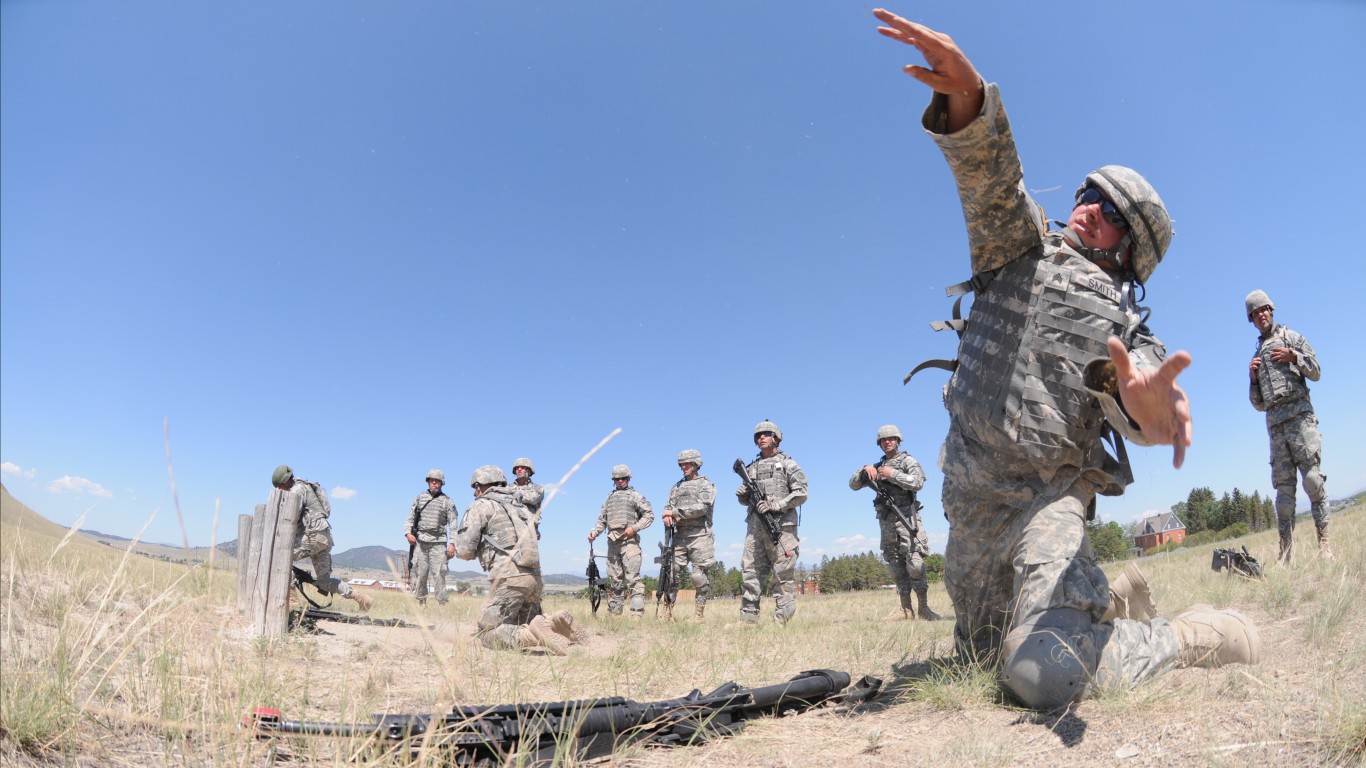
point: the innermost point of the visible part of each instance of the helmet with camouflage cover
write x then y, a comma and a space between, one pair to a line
524, 462
488, 475
768, 426
1256, 300
888, 430
437, 474
690, 455
1150, 228
281, 476
621, 470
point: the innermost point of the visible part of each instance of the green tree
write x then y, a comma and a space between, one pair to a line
934, 567
1108, 540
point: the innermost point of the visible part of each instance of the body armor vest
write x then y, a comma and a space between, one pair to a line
904, 499
689, 503
504, 535
622, 508
1030, 333
1279, 383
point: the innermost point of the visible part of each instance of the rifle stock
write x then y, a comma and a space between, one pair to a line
667, 588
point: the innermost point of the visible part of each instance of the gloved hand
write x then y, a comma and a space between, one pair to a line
769, 506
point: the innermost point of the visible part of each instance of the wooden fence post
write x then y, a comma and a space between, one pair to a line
271, 563
243, 558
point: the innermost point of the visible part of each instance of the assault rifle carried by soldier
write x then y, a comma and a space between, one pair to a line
666, 590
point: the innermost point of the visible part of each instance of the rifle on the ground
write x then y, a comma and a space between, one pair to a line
595, 585
885, 496
311, 616
667, 588
756, 495
554, 732
1241, 563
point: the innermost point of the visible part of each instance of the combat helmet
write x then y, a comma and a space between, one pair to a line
1256, 300
281, 476
1150, 228
768, 426
690, 455
437, 474
488, 475
888, 430
621, 470
524, 462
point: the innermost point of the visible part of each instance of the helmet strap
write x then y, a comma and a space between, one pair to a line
1117, 255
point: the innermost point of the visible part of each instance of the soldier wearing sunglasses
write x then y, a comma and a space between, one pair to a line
1055, 357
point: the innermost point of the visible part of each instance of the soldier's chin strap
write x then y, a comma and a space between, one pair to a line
1117, 256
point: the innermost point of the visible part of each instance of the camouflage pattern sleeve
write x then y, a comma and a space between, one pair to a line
470, 532
796, 486
907, 474
1003, 221
412, 514
856, 482
602, 522
647, 513
1306, 362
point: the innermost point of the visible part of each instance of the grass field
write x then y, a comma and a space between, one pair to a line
107, 659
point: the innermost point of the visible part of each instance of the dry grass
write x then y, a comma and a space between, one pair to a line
109, 660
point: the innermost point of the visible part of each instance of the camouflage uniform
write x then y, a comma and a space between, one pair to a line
783, 481
624, 508
531, 495
495, 526
1024, 460
313, 540
1282, 392
903, 549
692, 503
430, 520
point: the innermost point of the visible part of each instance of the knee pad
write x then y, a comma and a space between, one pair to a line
699, 579
1044, 665
1314, 481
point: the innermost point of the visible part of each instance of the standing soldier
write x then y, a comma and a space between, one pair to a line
783, 485
497, 529
429, 531
624, 515
313, 537
689, 512
529, 493
899, 478
1279, 370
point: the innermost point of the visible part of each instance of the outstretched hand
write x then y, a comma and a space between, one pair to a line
949, 72
1154, 399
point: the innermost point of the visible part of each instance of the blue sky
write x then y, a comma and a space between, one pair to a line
368, 239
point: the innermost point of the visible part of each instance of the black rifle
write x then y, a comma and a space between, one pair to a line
667, 588
549, 733
1241, 563
885, 496
756, 495
595, 585
302, 577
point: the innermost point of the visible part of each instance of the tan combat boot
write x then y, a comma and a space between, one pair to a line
668, 612
1284, 555
905, 612
923, 610
363, 600
540, 633
1212, 638
1130, 597
698, 611
562, 622
1325, 551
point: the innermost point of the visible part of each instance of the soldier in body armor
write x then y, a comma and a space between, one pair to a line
497, 529
428, 529
784, 486
899, 476
313, 537
689, 512
624, 515
1280, 369
1031, 393
529, 493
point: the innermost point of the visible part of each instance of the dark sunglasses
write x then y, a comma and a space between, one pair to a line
1091, 196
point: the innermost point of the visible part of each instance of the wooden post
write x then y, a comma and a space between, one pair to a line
270, 593
243, 559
